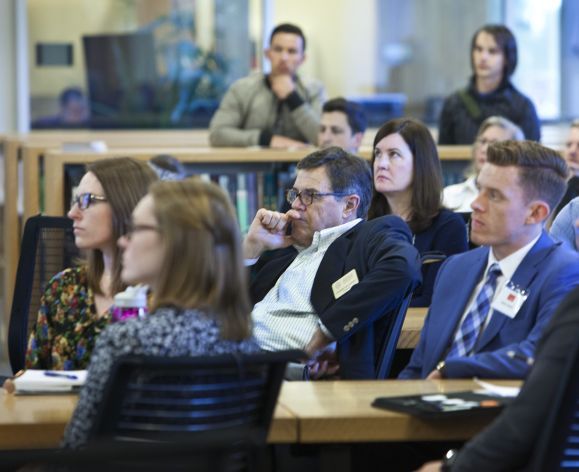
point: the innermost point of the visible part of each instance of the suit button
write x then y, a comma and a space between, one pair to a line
347, 328
355, 320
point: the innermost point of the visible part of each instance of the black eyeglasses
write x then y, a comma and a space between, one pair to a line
84, 200
307, 196
135, 228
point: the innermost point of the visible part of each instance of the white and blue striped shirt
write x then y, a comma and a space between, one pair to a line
285, 318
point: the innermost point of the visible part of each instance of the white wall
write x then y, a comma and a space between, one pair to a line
64, 21
345, 30
424, 45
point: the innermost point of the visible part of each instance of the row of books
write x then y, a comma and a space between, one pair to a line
250, 191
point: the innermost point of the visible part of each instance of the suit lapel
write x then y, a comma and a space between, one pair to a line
331, 268
523, 277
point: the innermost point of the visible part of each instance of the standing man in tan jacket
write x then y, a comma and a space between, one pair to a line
278, 109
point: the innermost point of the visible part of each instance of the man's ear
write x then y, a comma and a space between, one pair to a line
539, 211
267, 53
351, 207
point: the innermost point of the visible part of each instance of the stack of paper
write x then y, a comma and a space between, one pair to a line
497, 390
49, 381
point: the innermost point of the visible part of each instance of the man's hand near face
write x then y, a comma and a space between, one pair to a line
268, 231
282, 85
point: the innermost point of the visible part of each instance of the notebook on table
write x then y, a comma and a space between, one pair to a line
446, 405
34, 381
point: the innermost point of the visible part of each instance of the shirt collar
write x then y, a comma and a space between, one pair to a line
505, 83
510, 263
323, 238
471, 184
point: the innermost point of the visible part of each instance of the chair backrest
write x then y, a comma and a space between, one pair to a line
150, 397
466, 215
390, 339
47, 248
558, 445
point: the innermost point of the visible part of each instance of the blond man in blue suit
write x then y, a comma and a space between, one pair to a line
491, 304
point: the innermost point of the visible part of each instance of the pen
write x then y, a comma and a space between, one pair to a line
516, 355
60, 375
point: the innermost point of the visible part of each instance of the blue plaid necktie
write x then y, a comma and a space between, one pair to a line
470, 329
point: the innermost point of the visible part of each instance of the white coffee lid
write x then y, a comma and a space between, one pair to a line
132, 297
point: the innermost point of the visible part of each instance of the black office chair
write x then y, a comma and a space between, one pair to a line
390, 339
173, 400
558, 446
465, 216
47, 248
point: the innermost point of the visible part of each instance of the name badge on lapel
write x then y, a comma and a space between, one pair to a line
344, 284
510, 299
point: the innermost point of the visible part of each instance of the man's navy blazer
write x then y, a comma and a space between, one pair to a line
548, 272
387, 266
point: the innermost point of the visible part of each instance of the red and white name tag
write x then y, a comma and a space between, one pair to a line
509, 300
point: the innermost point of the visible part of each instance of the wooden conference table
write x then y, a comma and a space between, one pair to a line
307, 413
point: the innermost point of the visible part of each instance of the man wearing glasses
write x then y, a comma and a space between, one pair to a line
322, 273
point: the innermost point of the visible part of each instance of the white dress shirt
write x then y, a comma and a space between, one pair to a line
285, 318
458, 197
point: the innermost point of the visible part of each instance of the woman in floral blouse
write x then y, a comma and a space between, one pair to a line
185, 244
75, 306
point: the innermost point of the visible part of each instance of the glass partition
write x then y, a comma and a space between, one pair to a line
134, 63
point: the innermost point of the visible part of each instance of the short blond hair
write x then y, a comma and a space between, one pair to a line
500, 121
203, 265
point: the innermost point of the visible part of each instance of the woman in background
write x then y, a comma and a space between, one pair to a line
571, 155
493, 58
566, 225
75, 306
408, 183
184, 243
495, 129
